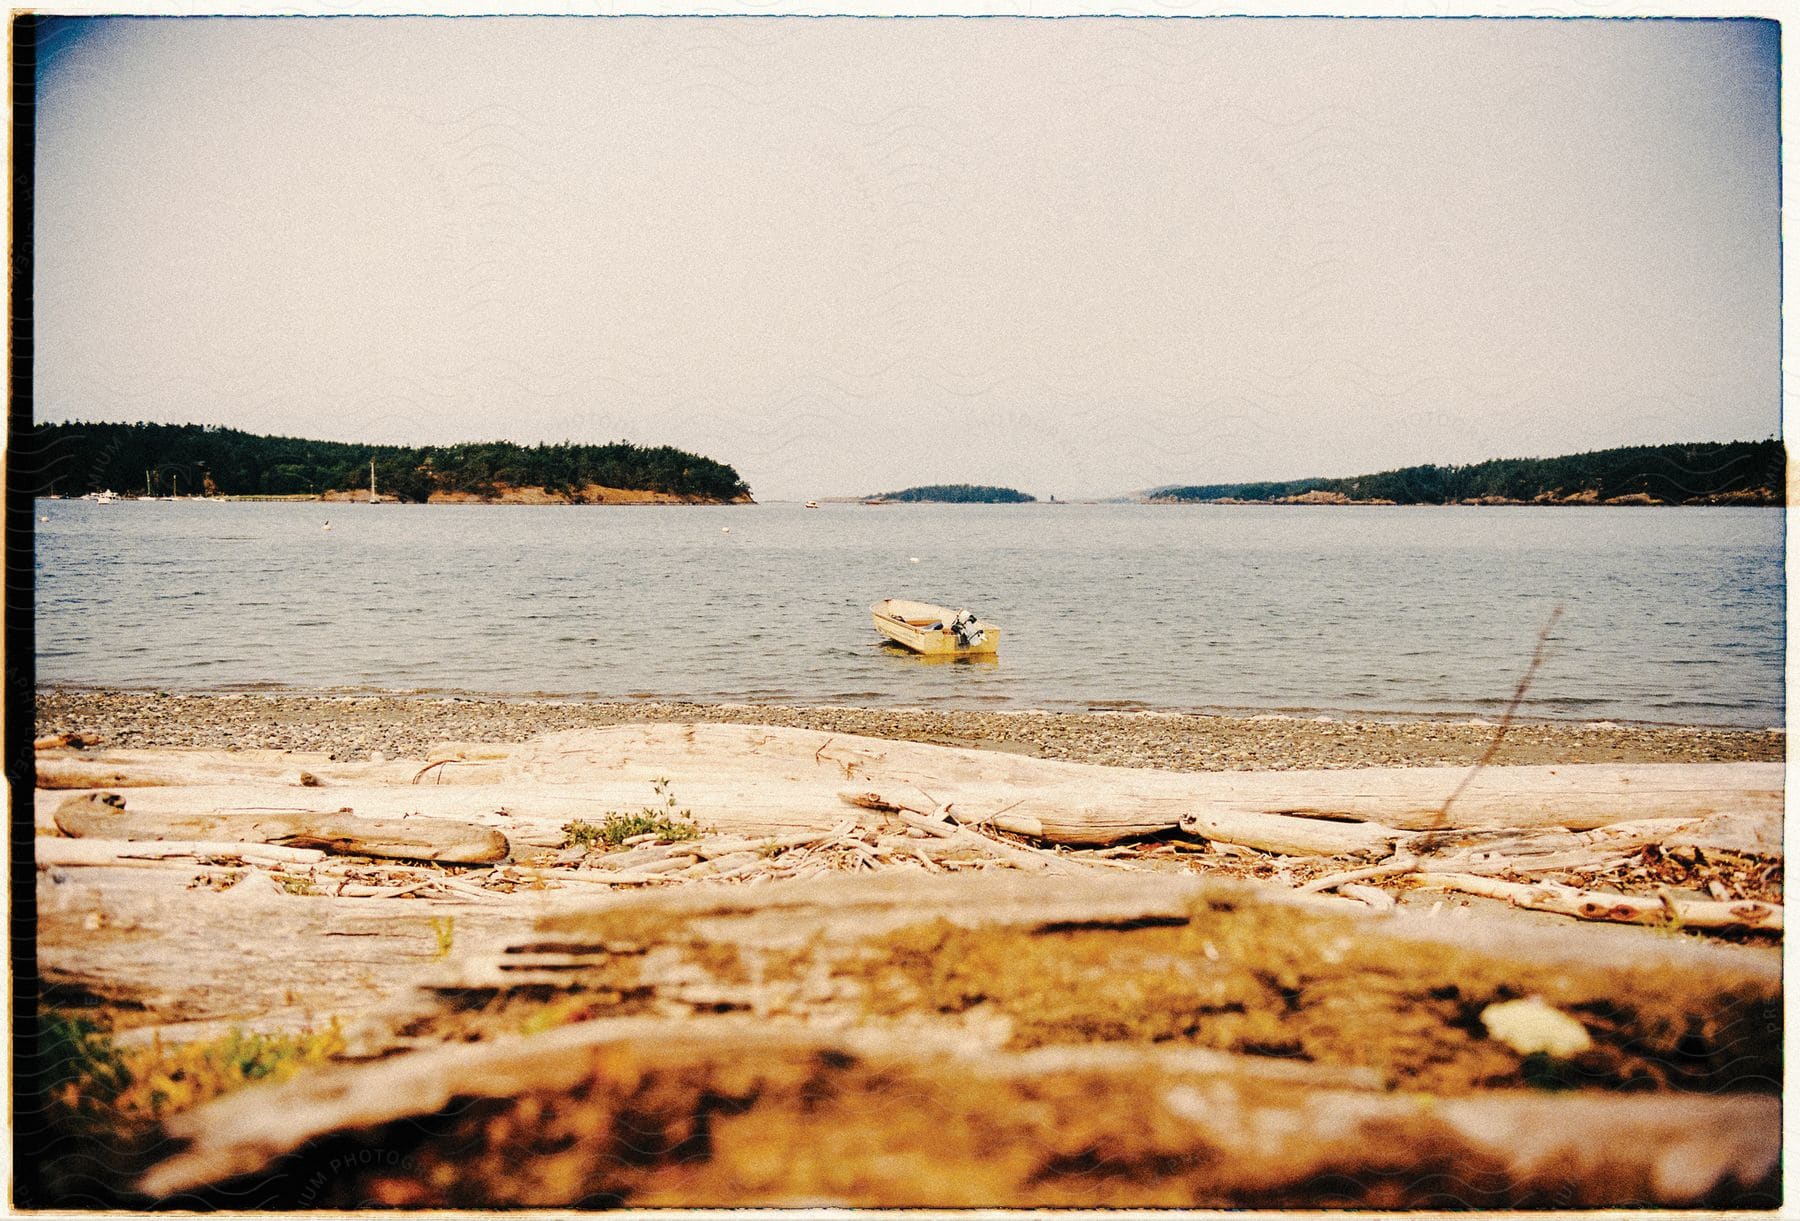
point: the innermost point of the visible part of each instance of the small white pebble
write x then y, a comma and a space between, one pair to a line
915, 559
1529, 1026
376, 756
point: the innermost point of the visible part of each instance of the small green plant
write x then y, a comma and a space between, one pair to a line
770, 850
296, 885
666, 822
444, 929
75, 1051
582, 834
88, 1075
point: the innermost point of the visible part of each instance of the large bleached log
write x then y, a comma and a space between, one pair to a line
741, 1115
194, 962
159, 767
1577, 797
50, 852
103, 816
1102, 1040
1098, 951
753, 780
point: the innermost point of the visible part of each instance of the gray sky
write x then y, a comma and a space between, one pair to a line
1078, 257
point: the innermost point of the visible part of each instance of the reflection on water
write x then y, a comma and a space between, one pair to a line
1670, 614
901, 655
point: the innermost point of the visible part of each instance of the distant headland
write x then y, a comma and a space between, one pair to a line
958, 493
1705, 473
172, 459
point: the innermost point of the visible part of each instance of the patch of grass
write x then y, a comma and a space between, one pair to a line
91, 1077
75, 1051
296, 885
666, 822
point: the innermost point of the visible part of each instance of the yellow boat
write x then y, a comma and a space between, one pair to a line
936, 631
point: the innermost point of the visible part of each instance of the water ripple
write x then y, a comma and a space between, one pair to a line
1672, 615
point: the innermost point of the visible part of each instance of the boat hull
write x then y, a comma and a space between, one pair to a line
911, 624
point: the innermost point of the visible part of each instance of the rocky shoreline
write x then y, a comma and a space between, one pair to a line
351, 727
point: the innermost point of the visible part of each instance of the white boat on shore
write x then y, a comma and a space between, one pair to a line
935, 631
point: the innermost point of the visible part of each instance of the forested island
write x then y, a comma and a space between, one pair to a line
73, 459
1730, 472
959, 494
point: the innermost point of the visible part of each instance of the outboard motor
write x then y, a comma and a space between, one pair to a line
967, 634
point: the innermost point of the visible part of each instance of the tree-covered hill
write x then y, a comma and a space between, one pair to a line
74, 458
960, 493
1731, 472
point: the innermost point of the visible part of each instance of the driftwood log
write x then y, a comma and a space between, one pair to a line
1055, 1028
1108, 1040
1619, 909
756, 780
740, 1115
106, 816
160, 956
51, 852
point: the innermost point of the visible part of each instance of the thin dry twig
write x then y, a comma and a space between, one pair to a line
931, 797
421, 772
1332, 881
1506, 719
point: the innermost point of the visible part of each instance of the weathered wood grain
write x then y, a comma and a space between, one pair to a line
742, 1115
106, 816
777, 780
1116, 1039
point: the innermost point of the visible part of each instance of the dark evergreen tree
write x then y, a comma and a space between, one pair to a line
961, 493
1747, 472
162, 459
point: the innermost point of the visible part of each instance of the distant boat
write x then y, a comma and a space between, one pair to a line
936, 631
811, 504
99, 498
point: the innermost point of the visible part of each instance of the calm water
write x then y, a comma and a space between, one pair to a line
1669, 615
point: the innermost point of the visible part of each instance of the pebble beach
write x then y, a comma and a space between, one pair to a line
354, 726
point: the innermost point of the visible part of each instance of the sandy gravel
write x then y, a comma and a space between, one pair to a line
353, 726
